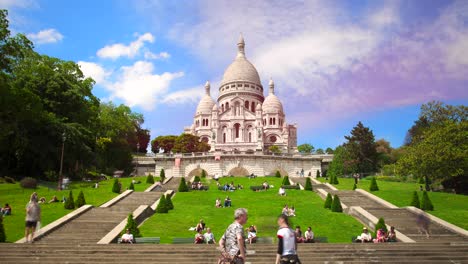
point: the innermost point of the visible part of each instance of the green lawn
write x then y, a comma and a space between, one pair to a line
18, 197
264, 207
452, 208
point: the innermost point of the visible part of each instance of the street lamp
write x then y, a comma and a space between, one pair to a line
138, 149
61, 162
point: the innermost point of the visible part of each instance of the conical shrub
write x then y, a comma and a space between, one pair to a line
336, 205
354, 187
203, 174
162, 206
415, 200
426, 203
381, 224
70, 203
335, 180
80, 201
278, 174
183, 186
330, 180
373, 185
196, 179
328, 201
131, 187
308, 184
2, 230
169, 204
132, 226
162, 175
150, 179
116, 186
286, 181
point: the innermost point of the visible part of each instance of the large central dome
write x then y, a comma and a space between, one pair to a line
241, 69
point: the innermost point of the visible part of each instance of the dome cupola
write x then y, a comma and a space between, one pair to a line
205, 106
272, 104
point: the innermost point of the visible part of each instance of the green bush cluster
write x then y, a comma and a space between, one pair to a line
415, 200
328, 201
131, 186
286, 181
149, 179
336, 205
333, 180
196, 179
278, 174
9, 179
169, 203
162, 175
116, 186
162, 207
70, 203
426, 203
381, 224
28, 183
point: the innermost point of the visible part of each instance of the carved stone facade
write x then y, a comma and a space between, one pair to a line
243, 119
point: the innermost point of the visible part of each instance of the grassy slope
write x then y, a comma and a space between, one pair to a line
17, 197
264, 208
452, 208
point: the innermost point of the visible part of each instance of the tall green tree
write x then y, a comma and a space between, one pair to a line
329, 151
305, 148
362, 149
319, 151
187, 143
342, 163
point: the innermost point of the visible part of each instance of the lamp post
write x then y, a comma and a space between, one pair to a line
138, 149
61, 163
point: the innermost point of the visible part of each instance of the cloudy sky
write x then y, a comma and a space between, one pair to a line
334, 63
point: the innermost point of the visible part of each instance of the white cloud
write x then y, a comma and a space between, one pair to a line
190, 95
120, 50
95, 71
8, 4
45, 36
152, 56
137, 85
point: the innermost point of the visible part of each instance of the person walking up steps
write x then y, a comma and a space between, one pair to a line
33, 215
232, 243
287, 245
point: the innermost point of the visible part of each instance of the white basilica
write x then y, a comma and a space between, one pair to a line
243, 119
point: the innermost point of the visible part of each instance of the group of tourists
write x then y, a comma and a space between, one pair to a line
381, 236
227, 202
230, 187
308, 235
288, 211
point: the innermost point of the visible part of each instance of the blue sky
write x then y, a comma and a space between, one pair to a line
334, 63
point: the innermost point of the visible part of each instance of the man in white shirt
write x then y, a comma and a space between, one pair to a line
127, 238
209, 237
309, 235
282, 191
365, 237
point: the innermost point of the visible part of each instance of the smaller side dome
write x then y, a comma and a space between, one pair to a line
272, 104
215, 107
259, 107
205, 106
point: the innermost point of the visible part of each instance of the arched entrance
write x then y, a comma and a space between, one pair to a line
238, 171
196, 172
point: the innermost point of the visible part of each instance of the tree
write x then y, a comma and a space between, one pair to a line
183, 186
132, 226
381, 225
333, 180
319, 151
305, 148
162, 205
187, 143
329, 151
286, 181
196, 179
328, 201
415, 200
164, 143
384, 152
278, 174
336, 205
373, 185
203, 174
169, 204
342, 163
426, 203
162, 175
116, 186
362, 149
149, 179
131, 186
80, 201
274, 149
308, 184
70, 203
2, 230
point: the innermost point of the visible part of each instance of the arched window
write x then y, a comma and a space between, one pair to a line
222, 108
247, 105
253, 107
274, 120
227, 106
206, 122
237, 129
271, 121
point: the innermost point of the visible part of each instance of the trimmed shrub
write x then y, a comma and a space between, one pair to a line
381, 224
278, 174
162, 175
169, 204
426, 203
132, 226
162, 206
116, 186
70, 203
203, 174
415, 200
354, 187
131, 187
328, 201
286, 181
196, 179
80, 201
28, 183
2, 230
336, 205
183, 186
308, 184
335, 180
317, 174
9, 179
150, 179
373, 185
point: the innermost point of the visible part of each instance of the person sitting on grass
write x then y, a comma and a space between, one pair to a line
309, 235
200, 226
380, 236
6, 210
391, 235
365, 237
240, 187
291, 211
282, 191
42, 200
54, 199
298, 234
199, 238
285, 210
227, 202
226, 187
127, 238
218, 203
265, 185
252, 234
209, 237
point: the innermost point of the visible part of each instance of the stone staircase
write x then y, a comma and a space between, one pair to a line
259, 253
